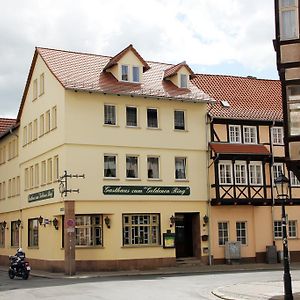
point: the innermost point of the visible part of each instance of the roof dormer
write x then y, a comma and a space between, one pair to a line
179, 74
127, 66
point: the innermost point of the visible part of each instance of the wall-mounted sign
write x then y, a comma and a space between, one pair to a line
169, 240
146, 190
41, 195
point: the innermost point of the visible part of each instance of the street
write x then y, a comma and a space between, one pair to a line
188, 287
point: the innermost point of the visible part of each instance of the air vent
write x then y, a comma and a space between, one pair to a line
225, 103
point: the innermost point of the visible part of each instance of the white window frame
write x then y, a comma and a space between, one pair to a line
255, 164
116, 163
286, 9
128, 74
235, 134
157, 118
179, 178
292, 232
223, 233
242, 166
250, 134
137, 176
158, 167
137, 116
138, 69
277, 227
277, 170
294, 180
241, 233
183, 81
107, 119
277, 135
225, 166
184, 120
42, 84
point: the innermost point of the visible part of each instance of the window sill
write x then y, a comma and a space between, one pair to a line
182, 180
180, 130
111, 178
110, 125
133, 179
133, 127
154, 179
153, 128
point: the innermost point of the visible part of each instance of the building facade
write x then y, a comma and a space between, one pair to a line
110, 165
287, 47
247, 154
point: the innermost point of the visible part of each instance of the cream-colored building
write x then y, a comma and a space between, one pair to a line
111, 164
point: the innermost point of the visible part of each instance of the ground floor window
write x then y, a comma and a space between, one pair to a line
88, 230
14, 239
33, 233
223, 233
292, 228
277, 229
2, 235
141, 229
241, 232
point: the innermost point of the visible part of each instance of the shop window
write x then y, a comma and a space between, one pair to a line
141, 229
33, 233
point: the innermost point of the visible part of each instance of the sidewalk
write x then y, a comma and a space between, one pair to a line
251, 290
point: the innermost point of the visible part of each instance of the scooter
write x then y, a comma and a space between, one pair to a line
18, 268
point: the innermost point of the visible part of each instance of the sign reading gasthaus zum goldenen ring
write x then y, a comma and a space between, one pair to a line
146, 190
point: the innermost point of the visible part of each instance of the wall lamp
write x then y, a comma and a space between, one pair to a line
205, 219
107, 221
55, 223
40, 220
172, 221
3, 225
19, 222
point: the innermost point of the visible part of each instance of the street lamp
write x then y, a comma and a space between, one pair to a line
282, 185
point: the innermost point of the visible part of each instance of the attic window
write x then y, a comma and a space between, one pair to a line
225, 103
183, 81
125, 73
135, 74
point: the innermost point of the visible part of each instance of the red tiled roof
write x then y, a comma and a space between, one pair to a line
5, 124
174, 69
227, 148
249, 98
114, 60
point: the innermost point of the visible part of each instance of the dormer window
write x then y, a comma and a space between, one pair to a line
183, 80
135, 74
125, 73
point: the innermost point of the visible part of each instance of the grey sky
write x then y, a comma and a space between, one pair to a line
214, 36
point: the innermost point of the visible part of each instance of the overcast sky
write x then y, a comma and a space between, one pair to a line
214, 36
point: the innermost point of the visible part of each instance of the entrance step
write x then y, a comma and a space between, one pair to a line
189, 262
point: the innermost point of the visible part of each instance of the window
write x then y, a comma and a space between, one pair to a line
2, 235
110, 163
42, 125
9, 188
294, 179
2, 190
18, 186
141, 229
14, 231
47, 121
277, 229
235, 134
131, 166
125, 73
223, 233
225, 173
292, 228
240, 173
54, 117
183, 80
42, 84
179, 122
35, 130
277, 135
293, 95
34, 89
180, 168
44, 174
26, 178
135, 74
33, 233
24, 135
250, 134
277, 170
288, 19
29, 132
241, 232
88, 230
255, 173
109, 115
49, 170
31, 181
36, 175
152, 118
131, 116
2, 155
56, 168
153, 167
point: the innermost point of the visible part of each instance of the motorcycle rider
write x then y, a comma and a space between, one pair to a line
20, 256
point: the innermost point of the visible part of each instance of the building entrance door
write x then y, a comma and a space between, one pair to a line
187, 235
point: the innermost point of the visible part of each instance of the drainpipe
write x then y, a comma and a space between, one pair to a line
272, 180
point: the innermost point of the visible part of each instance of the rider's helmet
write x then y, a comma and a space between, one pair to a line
19, 250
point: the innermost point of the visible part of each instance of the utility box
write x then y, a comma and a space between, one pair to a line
232, 252
271, 254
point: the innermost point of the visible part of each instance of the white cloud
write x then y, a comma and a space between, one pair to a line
206, 32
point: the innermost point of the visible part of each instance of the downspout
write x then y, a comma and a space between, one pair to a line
272, 180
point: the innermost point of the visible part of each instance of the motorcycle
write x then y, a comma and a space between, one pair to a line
18, 267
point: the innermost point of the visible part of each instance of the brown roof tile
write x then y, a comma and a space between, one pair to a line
227, 148
249, 98
5, 124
